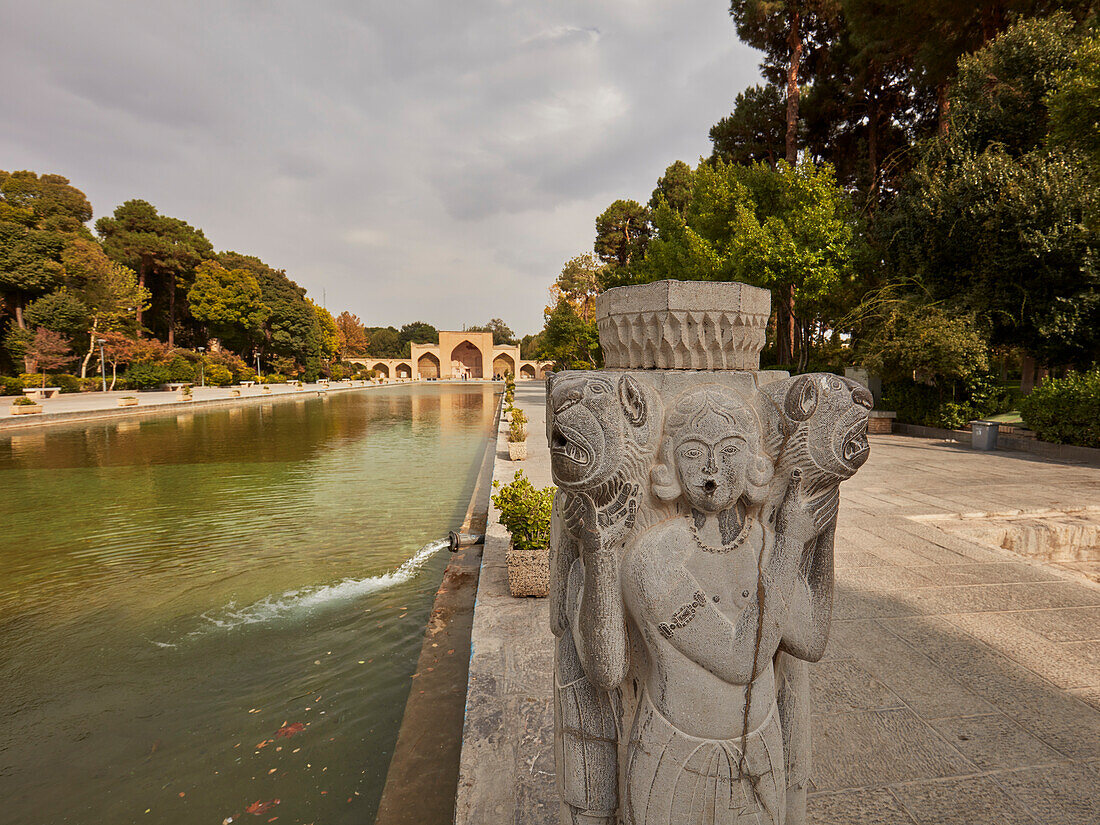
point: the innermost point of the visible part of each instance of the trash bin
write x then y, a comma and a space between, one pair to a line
983, 435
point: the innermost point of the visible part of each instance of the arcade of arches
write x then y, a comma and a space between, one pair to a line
471, 355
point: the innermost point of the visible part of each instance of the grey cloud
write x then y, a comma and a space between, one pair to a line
409, 160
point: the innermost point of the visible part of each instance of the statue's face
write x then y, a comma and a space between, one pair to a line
586, 435
838, 427
711, 463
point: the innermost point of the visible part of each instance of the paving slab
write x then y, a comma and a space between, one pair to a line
961, 683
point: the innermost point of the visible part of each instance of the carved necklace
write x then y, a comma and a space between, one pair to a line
727, 547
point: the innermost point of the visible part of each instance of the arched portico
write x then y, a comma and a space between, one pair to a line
427, 366
402, 369
527, 371
469, 356
503, 364
382, 369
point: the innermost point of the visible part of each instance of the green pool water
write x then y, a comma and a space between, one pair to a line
204, 613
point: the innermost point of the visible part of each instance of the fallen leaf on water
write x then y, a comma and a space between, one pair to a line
272, 770
264, 744
258, 807
289, 730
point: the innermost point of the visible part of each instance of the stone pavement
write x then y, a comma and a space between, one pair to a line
961, 684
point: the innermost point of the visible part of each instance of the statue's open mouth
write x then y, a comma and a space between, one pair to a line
855, 442
564, 444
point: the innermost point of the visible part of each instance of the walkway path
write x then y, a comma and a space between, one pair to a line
961, 685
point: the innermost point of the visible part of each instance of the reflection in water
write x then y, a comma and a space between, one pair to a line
177, 588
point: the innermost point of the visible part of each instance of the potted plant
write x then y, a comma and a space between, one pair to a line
185, 394
517, 436
25, 406
128, 401
234, 392
525, 514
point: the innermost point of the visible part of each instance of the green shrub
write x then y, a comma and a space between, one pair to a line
525, 511
93, 384
274, 378
337, 372
180, 369
11, 386
218, 375
145, 375
1065, 410
67, 383
23, 401
517, 430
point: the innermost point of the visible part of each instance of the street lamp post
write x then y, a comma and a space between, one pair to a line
257, 365
202, 366
102, 363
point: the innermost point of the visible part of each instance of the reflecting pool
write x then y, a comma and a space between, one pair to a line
214, 617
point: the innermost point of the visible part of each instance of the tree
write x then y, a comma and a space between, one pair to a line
419, 332
329, 333
996, 223
353, 339
622, 232
48, 202
157, 246
925, 343
673, 187
781, 29
754, 131
48, 350
229, 303
385, 342
1000, 93
570, 342
38, 216
108, 291
579, 283
60, 311
788, 229
1074, 103
291, 329
502, 333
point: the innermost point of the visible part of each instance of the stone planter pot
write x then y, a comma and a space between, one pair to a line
528, 571
234, 393
25, 409
266, 389
127, 402
187, 398
517, 452
880, 422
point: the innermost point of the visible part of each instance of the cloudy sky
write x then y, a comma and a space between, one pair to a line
405, 160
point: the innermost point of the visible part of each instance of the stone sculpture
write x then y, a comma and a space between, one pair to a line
691, 561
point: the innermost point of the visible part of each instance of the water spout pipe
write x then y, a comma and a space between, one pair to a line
458, 540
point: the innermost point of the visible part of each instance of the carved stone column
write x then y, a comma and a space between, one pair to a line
691, 560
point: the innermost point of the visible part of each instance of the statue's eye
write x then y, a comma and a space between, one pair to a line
598, 389
694, 452
731, 449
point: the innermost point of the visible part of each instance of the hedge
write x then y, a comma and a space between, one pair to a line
1065, 410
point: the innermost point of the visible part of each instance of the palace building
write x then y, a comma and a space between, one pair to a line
458, 355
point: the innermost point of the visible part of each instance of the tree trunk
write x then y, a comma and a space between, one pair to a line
785, 325
794, 42
114, 374
17, 302
141, 282
945, 108
91, 349
172, 310
872, 147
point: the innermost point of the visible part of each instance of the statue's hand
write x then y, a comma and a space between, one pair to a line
794, 522
582, 521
